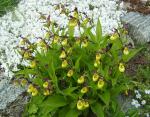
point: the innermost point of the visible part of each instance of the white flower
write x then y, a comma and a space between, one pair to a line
147, 92
135, 103
138, 96
147, 115
143, 102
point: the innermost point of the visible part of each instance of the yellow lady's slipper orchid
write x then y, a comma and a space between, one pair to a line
80, 105
27, 55
34, 91
46, 92
30, 88
114, 36
62, 55
96, 63
100, 83
81, 80
84, 90
56, 39
73, 22
64, 42
64, 64
23, 82
22, 42
121, 67
86, 104
95, 77
84, 43
45, 84
33, 64
70, 73
75, 14
98, 56
126, 51
47, 35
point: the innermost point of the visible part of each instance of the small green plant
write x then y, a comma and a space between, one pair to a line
74, 76
6, 5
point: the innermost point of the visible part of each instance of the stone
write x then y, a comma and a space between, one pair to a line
8, 92
138, 26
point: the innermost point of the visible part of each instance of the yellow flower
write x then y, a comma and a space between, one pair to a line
40, 43
64, 64
121, 67
22, 42
46, 92
84, 90
75, 14
47, 35
70, 73
45, 84
85, 21
69, 50
114, 36
81, 80
56, 39
126, 51
80, 105
78, 41
30, 88
96, 63
98, 56
95, 77
33, 64
86, 104
34, 92
27, 55
84, 43
62, 55
100, 83
64, 42
23, 82
73, 22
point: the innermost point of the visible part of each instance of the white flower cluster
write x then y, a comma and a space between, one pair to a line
25, 21
139, 101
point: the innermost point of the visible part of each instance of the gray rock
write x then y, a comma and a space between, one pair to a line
138, 26
8, 92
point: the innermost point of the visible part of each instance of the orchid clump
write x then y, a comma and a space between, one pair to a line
71, 76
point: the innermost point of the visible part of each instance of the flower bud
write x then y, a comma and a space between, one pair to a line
70, 73
81, 80
100, 83
121, 67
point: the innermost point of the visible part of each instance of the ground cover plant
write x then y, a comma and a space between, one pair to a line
6, 5
75, 76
